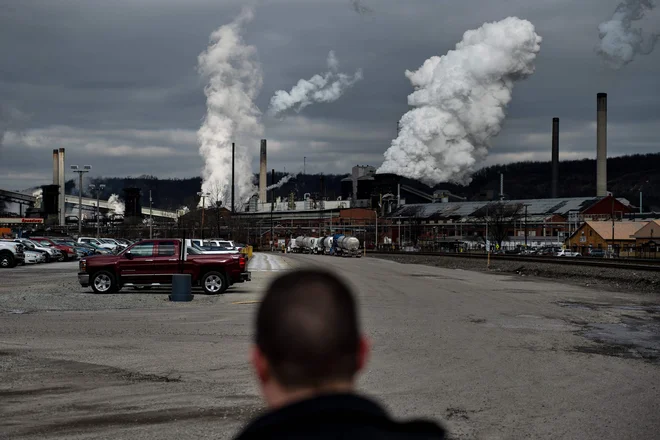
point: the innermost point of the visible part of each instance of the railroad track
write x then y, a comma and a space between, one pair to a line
649, 265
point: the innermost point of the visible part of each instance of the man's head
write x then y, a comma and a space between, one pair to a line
308, 339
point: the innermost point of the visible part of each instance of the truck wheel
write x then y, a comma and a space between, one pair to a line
214, 283
7, 260
104, 282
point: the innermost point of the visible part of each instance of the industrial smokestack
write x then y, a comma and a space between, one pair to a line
61, 174
56, 167
501, 186
233, 154
555, 158
601, 145
263, 173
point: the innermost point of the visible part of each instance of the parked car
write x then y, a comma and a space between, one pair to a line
11, 254
96, 242
597, 253
153, 262
98, 250
210, 249
34, 257
50, 253
114, 242
68, 251
567, 253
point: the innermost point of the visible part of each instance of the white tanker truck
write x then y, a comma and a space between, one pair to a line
309, 245
346, 246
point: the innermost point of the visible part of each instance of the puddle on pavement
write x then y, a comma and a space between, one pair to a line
652, 309
635, 336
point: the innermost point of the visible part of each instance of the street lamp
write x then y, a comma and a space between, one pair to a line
203, 195
98, 190
80, 171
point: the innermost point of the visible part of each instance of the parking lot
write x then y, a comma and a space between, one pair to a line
490, 356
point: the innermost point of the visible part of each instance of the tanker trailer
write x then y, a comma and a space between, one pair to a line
327, 245
309, 243
349, 246
299, 244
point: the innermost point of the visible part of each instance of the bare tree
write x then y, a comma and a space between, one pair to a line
500, 218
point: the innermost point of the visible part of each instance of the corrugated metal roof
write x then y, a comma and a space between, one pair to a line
464, 209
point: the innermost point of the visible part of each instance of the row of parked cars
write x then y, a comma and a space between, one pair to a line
35, 250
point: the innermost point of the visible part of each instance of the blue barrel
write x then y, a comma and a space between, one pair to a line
181, 288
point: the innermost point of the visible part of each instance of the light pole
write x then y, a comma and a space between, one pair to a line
203, 195
376, 247
98, 190
151, 218
80, 171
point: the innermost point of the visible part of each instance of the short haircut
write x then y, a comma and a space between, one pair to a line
308, 329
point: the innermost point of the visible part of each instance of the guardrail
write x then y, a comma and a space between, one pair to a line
650, 265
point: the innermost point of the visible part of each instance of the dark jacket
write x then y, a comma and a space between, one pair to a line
344, 416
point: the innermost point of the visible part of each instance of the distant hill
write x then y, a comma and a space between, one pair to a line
627, 175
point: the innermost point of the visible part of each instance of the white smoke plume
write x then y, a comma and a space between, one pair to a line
460, 100
116, 206
326, 87
281, 182
234, 79
619, 41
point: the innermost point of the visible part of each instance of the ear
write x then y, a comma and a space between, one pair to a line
260, 364
364, 347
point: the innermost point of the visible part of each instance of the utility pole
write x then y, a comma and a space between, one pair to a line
272, 208
525, 226
376, 212
203, 195
151, 218
612, 225
80, 171
100, 188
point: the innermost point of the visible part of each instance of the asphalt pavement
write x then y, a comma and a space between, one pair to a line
490, 356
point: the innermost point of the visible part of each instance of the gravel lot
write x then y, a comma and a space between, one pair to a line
620, 280
54, 286
491, 356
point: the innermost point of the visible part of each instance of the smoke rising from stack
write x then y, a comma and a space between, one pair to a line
115, 205
619, 41
460, 100
281, 182
326, 87
234, 79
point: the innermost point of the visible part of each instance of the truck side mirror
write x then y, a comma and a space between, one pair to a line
129, 255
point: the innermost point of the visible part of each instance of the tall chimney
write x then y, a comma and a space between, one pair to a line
233, 153
56, 167
601, 145
62, 194
555, 158
501, 186
263, 173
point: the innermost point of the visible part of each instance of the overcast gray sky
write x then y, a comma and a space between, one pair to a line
115, 82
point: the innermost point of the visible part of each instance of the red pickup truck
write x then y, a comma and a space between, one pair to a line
153, 262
